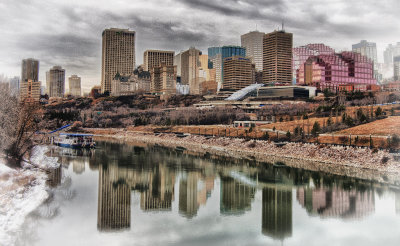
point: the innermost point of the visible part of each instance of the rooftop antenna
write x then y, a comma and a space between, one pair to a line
256, 27
283, 25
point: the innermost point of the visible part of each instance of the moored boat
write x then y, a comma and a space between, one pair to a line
74, 140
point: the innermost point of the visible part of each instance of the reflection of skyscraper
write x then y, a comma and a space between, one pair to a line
55, 175
114, 200
188, 205
160, 194
337, 202
277, 213
236, 197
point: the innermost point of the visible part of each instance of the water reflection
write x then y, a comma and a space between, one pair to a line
163, 178
336, 202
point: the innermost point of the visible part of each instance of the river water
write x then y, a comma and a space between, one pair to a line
133, 194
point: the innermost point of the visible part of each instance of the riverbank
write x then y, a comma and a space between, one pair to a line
364, 163
22, 190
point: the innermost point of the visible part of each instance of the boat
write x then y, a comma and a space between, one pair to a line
74, 140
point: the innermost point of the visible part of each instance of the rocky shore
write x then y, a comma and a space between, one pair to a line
364, 163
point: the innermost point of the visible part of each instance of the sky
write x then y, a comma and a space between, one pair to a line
68, 32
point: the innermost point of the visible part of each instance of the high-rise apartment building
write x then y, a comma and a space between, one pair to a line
74, 85
277, 58
30, 85
367, 49
253, 43
238, 73
55, 82
396, 68
118, 55
163, 80
154, 58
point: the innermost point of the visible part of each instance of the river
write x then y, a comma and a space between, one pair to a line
134, 194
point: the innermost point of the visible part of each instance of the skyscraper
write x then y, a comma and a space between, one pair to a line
30, 70
55, 82
367, 49
237, 73
75, 85
390, 52
277, 58
253, 42
190, 65
30, 84
154, 58
118, 55
216, 56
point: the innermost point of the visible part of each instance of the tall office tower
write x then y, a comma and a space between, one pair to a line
396, 68
154, 58
253, 42
190, 62
118, 55
277, 218
163, 80
367, 49
30, 85
216, 56
237, 73
55, 82
75, 85
277, 58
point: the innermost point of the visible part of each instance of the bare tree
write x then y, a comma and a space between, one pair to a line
18, 125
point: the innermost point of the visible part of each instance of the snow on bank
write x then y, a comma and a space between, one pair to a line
21, 192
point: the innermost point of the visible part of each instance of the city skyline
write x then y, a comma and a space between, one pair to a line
69, 33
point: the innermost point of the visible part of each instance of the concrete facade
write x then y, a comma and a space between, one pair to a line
154, 58
253, 42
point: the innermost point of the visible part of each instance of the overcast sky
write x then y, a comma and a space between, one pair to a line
68, 32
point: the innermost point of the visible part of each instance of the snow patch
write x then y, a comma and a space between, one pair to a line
21, 192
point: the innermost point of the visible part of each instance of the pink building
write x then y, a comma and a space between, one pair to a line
325, 69
302, 53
